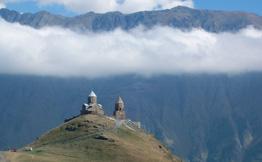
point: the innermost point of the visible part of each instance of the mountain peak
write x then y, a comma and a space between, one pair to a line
182, 8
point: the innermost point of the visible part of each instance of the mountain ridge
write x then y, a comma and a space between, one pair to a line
178, 17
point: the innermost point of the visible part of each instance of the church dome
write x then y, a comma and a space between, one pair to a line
92, 94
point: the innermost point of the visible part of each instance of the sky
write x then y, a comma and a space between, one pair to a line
254, 6
74, 7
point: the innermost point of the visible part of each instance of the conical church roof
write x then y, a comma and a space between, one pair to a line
92, 94
119, 100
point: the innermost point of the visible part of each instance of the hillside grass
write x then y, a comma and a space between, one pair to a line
94, 138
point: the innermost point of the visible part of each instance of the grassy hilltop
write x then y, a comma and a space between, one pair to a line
94, 138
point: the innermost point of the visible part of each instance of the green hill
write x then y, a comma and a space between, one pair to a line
94, 138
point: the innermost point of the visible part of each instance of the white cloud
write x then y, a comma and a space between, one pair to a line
2, 5
126, 6
162, 50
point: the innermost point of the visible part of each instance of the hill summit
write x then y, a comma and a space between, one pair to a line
95, 137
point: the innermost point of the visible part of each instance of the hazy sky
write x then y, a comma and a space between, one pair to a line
73, 7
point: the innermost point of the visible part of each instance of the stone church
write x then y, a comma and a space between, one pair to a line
92, 107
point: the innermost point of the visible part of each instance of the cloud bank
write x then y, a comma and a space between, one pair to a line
161, 50
101, 6
2, 5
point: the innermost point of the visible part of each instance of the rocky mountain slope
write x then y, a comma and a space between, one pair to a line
202, 118
179, 17
94, 138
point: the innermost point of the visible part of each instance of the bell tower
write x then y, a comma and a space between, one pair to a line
119, 112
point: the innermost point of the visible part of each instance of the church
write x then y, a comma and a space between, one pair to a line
92, 107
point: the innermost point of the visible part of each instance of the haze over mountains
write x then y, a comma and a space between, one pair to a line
202, 117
